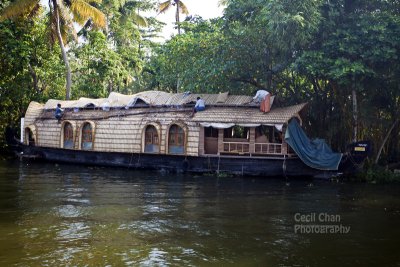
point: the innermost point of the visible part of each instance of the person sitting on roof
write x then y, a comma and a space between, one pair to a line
260, 95
59, 112
200, 105
264, 98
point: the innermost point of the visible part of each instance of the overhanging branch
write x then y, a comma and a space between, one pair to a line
250, 81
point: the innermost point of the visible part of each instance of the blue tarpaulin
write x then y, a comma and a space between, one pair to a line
314, 153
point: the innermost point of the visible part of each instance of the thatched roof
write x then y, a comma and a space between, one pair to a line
248, 115
220, 108
154, 98
82, 102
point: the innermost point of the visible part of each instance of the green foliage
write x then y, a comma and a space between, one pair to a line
379, 175
30, 70
128, 40
62, 15
300, 50
249, 49
97, 69
356, 48
191, 61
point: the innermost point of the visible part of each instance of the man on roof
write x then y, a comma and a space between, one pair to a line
200, 106
264, 98
59, 112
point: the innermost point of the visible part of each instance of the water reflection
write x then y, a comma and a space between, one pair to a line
55, 215
73, 231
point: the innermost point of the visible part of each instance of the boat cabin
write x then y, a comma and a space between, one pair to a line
155, 122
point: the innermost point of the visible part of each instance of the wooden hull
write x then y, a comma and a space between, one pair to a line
237, 165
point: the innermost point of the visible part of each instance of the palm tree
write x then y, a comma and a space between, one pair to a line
127, 9
62, 15
130, 19
180, 8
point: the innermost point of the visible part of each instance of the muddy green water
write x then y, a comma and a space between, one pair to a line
64, 215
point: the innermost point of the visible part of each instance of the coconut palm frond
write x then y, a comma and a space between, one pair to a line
114, 3
182, 8
71, 32
79, 19
123, 20
93, 1
53, 27
18, 8
223, 2
164, 6
35, 11
65, 32
85, 10
53, 30
67, 20
50, 31
139, 20
65, 15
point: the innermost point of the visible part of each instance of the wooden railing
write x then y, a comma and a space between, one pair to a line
268, 148
259, 148
237, 147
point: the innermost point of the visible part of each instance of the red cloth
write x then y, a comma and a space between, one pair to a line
265, 104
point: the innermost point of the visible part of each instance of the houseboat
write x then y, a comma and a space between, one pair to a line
156, 130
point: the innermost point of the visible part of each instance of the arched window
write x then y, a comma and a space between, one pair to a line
176, 140
87, 136
29, 137
151, 140
68, 136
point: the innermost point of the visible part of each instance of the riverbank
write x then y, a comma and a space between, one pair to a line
378, 175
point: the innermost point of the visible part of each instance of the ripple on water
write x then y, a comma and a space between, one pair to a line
70, 232
65, 215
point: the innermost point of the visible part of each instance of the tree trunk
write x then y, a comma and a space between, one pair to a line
63, 52
355, 115
384, 140
110, 86
179, 33
34, 77
178, 83
177, 16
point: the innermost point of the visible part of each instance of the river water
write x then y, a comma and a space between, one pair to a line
65, 215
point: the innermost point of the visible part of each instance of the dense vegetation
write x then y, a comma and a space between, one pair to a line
340, 56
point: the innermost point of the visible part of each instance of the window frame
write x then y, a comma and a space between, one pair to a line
157, 131
182, 136
62, 141
82, 136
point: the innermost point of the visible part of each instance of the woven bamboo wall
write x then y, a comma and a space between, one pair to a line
32, 113
34, 110
120, 134
121, 130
